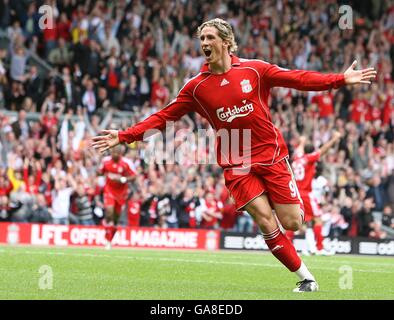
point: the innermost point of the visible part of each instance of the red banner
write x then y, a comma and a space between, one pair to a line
59, 235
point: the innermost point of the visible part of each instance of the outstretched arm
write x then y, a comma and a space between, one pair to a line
181, 105
316, 81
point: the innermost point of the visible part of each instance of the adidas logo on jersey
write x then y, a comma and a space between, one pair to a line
230, 114
224, 82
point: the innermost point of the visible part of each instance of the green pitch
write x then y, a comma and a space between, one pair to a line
85, 273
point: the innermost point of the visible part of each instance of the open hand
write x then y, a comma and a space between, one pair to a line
107, 141
359, 76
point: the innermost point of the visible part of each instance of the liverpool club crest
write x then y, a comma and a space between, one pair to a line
246, 86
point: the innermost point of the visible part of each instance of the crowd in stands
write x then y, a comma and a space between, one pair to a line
134, 56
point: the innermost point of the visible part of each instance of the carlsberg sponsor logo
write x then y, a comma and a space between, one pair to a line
229, 114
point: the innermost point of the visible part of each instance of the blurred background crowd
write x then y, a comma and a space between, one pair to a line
109, 64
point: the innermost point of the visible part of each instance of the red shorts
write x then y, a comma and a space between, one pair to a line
246, 184
311, 206
114, 201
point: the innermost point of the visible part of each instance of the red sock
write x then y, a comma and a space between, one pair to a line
109, 234
113, 231
283, 249
318, 236
290, 235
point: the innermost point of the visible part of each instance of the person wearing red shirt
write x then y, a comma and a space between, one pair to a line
373, 113
358, 108
5, 186
232, 93
64, 27
212, 213
50, 36
304, 168
32, 182
229, 215
325, 103
159, 93
134, 210
388, 109
118, 173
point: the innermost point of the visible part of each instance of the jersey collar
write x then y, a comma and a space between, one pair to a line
234, 62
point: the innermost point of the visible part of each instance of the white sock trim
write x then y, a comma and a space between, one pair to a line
303, 272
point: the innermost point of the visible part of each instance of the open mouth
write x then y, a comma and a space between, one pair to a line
207, 52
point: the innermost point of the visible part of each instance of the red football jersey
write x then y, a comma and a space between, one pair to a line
359, 110
215, 206
388, 110
134, 212
325, 102
304, 168
113, 171
237, 99
373, 113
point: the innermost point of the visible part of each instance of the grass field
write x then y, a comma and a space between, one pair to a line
93, 273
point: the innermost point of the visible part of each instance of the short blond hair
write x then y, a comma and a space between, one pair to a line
224, 29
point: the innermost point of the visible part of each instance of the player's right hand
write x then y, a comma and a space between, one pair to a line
107, 140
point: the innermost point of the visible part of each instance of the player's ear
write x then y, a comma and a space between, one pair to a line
226, 44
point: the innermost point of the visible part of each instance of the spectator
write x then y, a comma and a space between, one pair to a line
376, 192
365, 218
61, 55
60, 210
32, 182
230, 214
212, 213
18, 64
89, 97
134, 210
40, 211
377, 232
325, 104
388, 218
20, 203
346, 212
159, 94
83, 214
4, 208
21, 127
5, 186
70, 92
143, 85
132, 95
33, 84
15, 96
187, 206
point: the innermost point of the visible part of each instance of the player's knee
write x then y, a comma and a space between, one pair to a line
293, 224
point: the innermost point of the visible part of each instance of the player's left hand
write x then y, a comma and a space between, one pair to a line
359, 76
